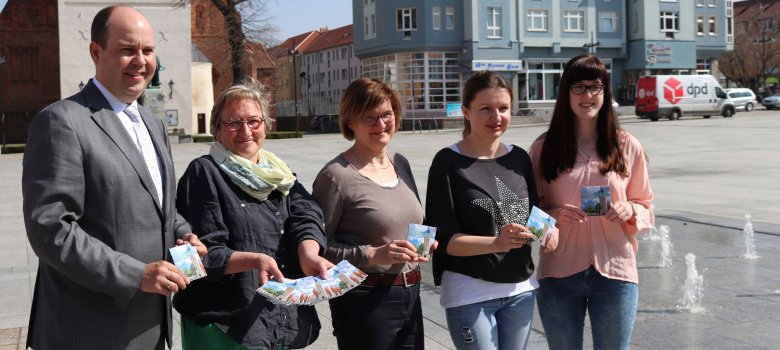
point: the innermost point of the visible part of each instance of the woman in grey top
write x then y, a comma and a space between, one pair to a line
369, 198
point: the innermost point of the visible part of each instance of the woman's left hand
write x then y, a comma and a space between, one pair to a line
620, 212
311, 263
552, 242
195, 242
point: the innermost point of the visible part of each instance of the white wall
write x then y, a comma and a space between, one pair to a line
202, 94
171, 23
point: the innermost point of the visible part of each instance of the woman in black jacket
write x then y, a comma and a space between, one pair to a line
258, 222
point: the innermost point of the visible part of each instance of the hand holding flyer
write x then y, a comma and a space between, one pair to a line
422, 237
312, 289
541, 225
186, 258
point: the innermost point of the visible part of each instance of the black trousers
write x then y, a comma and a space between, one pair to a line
378, 318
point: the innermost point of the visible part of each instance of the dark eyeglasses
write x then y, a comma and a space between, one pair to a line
371, 120
581, 89
236, 125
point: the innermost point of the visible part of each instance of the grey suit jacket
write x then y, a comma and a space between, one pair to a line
92, 218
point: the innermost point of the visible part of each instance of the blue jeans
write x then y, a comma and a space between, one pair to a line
610, 303
493, 324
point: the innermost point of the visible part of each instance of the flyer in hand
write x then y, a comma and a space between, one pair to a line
313, 289
541, 225
422, 238
186, 258
595, 200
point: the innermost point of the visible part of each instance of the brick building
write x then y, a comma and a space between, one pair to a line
210, 36
30, 76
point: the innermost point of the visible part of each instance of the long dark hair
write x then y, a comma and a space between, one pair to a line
560, 144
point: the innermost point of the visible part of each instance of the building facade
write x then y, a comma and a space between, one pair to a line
46, 47
288, 73
426, 49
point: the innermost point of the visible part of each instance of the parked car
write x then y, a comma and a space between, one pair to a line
771, 101
743, 98
616, 107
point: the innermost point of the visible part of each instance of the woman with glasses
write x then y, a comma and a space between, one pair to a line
594, 269
480, 191
258, 223
369, 198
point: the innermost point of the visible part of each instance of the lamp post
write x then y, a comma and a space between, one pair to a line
591, 44
764, 39
2, 111
294, 52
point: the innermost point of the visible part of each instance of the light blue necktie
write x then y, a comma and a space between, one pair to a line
144, 143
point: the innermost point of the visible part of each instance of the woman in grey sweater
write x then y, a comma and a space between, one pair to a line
369, 198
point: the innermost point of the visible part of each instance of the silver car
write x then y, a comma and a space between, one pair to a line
771, 101
743, 98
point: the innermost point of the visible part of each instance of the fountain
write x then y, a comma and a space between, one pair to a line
750, 244
692, 290
667, 248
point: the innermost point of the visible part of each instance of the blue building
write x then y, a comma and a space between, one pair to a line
427, 48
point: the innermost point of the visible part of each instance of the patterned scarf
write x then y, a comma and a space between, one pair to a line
256, 179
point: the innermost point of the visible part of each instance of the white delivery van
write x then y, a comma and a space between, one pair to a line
674, 96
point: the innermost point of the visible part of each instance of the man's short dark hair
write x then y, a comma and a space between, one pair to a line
99, 30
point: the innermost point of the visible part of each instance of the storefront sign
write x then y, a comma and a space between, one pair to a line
454, 110
658, 54
497, 65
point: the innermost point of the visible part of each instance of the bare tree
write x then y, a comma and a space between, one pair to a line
244, 19
756, 54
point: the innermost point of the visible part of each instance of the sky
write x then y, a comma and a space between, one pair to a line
293, 17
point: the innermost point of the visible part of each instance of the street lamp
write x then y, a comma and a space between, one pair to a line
2, 112
293, 52
81, 85
170, 86
591, 44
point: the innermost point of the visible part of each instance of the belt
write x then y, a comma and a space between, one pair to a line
406, 279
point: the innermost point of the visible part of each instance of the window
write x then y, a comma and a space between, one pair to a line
406, 19
713, 29
711, 3
436, 18
699, 3
494, 22
608, 22
742, 27
669, 22
366, 32
765, 24
573, 21
700, 25
450, 18
373, 25
537, 21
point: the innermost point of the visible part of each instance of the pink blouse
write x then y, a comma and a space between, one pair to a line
611, 248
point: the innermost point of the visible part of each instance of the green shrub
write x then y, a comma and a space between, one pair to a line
13, 148
284, 134
202, 138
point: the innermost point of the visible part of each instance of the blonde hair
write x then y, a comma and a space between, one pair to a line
249, 89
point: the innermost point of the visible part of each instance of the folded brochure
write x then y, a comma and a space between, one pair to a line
313, 289
186, 258
541, 225
422, 238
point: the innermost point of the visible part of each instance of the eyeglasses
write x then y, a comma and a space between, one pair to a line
371, 120
236, 125
581, 89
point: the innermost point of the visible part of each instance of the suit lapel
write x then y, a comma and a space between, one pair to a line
108, 121
157, 134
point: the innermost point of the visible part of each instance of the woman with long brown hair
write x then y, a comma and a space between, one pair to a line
593, 269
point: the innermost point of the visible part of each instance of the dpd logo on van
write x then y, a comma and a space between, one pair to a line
673, 90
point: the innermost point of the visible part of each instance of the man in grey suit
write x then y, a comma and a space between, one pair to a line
99, 189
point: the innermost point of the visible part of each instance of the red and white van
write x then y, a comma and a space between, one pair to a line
674, 96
